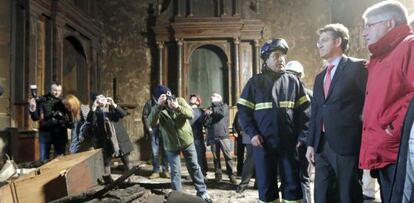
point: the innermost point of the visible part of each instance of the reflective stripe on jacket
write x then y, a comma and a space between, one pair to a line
272, 105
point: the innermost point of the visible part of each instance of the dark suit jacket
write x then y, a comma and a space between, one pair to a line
400, 171
341, 110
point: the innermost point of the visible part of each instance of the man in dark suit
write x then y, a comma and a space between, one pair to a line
335, 130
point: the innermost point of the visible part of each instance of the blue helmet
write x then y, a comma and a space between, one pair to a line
272, 45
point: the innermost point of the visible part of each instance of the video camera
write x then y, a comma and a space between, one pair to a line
33, 91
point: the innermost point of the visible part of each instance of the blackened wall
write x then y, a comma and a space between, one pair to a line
298, 20
126, 56
5, 70
128, 47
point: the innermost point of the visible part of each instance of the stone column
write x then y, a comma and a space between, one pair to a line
180, 66
223, 7
189, 8
236, 68
33, 48
257, 65
179, 10
160, 61
95, 79
236, 9
58, 62
230, 83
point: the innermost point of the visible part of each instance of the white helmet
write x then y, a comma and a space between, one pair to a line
296, 67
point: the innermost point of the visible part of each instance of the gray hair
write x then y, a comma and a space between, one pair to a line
390, 9
218, 96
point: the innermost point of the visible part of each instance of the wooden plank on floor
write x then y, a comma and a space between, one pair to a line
60, 177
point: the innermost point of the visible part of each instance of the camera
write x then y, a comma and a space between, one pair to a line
102, 100
33, 91
58, 115
170, 98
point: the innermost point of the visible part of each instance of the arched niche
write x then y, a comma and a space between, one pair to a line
208, 73
75, 69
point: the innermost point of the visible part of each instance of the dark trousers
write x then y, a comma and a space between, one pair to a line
336, 176
240, 155
46, 140
385, 178
305, 170
267, 161
46, 147
222, 145
248, 166
158, 152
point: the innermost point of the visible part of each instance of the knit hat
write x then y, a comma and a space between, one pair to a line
94, 95
159, 90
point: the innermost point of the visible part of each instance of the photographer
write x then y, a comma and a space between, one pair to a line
217, 122
52, 116
105, 118
172, 116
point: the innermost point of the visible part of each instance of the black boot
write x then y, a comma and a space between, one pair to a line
241, 188
107, 179
125, 161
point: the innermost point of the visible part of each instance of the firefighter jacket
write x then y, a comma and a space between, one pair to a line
273, 105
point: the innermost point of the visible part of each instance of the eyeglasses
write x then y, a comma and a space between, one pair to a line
370, 25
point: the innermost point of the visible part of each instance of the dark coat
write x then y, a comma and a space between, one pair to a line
55, 119
304, 134
197, 123
245, 138
341, 110
145, 113
115, 115
217, 122
273, 106
400, 171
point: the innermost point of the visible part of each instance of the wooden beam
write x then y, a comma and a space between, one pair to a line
60, 177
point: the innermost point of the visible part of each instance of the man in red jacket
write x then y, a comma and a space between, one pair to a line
389, 88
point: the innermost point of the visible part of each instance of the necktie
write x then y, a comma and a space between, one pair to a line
326, 85
328, 80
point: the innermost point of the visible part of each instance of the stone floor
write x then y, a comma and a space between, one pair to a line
223, 192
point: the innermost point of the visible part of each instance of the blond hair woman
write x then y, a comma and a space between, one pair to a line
80, 136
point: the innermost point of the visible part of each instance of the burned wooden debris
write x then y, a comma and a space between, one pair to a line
60, 177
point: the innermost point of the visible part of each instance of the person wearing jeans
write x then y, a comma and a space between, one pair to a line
52, 116
158, 153
197, 126
157, 150
172, 116
190, 156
